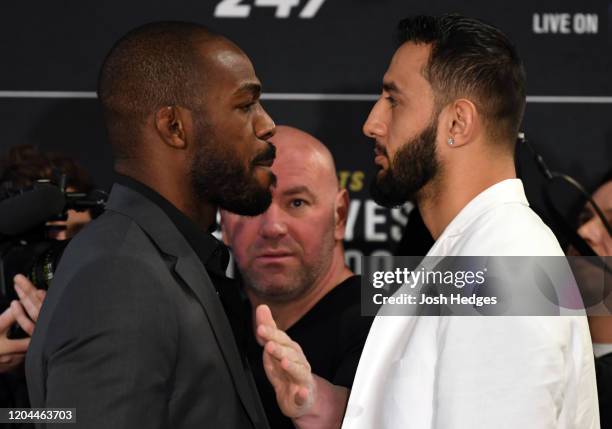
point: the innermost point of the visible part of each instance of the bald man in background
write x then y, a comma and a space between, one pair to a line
291, 259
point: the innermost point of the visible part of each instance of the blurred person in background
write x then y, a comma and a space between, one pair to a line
592, 230
25, 164
20, 168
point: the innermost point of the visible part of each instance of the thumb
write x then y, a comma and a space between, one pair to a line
263, 317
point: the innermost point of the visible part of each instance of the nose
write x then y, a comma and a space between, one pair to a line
591, 232
264, 126
272, 224
375, 127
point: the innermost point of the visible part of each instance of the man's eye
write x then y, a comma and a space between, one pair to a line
296, 203
248, 107
391, 101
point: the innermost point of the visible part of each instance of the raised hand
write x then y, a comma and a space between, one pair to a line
286, 367
309, 400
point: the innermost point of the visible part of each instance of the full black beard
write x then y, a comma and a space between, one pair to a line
221, 179
412, 167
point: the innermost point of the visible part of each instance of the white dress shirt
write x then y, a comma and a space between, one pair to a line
479, 372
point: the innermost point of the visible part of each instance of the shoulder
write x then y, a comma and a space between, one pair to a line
509, 230
109, 233
110, 274
111, 245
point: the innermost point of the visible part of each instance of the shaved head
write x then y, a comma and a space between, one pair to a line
298, 149
155, 65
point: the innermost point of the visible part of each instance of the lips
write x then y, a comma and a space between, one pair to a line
274, 256
379, 150
380, 156
266, 157
265, 162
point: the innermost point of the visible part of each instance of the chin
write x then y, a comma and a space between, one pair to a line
275, 287
275, 292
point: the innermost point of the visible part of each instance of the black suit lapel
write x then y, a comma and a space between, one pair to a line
196, 277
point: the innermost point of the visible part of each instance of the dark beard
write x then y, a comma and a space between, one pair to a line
219, 178
412, 167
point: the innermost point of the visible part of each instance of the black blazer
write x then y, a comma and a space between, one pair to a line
132, 333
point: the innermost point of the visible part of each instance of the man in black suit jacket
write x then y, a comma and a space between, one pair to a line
133, 332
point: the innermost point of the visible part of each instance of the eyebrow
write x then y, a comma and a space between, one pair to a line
299, 190
250, 87
390, 87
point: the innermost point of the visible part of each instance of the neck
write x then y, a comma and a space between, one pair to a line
174, 188
287, 313
442, 199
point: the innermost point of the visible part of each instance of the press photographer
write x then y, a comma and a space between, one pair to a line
34, 225
45, 199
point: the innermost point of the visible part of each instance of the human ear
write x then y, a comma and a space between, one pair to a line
170, 125
462, 123
341, 213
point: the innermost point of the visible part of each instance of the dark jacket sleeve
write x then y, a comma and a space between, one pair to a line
110, 346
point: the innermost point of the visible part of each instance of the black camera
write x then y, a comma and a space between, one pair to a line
26, 217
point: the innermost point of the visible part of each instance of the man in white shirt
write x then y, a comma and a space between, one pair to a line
445, 127
458, 86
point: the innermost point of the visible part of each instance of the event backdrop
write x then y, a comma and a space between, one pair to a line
321, 63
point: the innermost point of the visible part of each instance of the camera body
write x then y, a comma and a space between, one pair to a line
26, 218
36, 258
